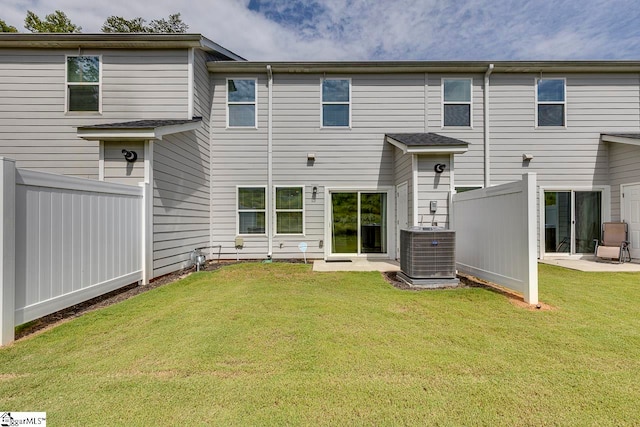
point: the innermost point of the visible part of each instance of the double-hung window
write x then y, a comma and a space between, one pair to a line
289, 210
241, 103
456, 102
551, 102
336, 103
83, 83
251, 210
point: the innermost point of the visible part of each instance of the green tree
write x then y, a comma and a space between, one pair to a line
5, 28
56, 22
173, 25
118, 24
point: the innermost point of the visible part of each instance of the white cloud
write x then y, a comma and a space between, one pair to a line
379, 29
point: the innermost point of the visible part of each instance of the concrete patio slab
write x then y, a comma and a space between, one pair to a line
591, 264
356, 265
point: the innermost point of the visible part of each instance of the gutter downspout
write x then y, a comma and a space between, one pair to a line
487, 145
270, 164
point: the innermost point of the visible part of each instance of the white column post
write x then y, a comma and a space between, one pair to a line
530, 190
7, 250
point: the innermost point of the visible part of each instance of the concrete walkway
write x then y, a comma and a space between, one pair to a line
590, 264
356, 265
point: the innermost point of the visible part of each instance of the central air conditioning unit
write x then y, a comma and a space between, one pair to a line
428, 257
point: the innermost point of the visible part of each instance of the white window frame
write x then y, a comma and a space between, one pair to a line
276, 210
254, 103
323, 103
564, 103
67, 84
469, 103
238, 211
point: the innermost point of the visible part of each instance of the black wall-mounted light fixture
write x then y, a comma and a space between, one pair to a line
130, 156
439, 167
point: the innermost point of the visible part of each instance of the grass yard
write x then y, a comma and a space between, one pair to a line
275, 344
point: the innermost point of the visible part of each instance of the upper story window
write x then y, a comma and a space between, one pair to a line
456, 102
551, 102
336, 102
83, 83
241, 103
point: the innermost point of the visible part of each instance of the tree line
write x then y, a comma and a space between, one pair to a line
59, 22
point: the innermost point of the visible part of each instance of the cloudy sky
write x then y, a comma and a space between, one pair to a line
381, 29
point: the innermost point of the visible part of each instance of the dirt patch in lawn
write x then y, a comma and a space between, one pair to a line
467, 281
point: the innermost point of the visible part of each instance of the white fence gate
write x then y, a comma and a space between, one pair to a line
64, 240
496, 235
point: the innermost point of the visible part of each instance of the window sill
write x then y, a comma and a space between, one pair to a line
83, 113
550, 128
335, 128
241, 128
457, 128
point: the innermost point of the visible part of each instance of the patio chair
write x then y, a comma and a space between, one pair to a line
614, 243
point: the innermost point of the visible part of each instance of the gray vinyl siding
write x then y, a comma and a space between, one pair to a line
571, 156
404, 173
182, 202
238, 158
117, 168
36, 131
469, 167
357, 157
433, 187
624, 164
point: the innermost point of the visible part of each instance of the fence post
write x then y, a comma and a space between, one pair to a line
147, 232
7, 250
530, 199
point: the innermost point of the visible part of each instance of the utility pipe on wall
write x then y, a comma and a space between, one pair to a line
270, 164
487, 145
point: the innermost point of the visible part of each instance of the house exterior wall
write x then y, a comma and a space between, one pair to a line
571, 157
181, 175
117, 168
403, 166
354, 158
433, 187
624, 164
36, 131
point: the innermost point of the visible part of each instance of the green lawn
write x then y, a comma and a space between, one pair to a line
272, 344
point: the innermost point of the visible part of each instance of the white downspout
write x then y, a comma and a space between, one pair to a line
270, 164
487, 145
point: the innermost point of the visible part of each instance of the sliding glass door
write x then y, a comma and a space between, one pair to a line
572, 221
358, 222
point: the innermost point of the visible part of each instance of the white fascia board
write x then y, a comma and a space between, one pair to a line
621, 139
398, 144
456, 149
135, 134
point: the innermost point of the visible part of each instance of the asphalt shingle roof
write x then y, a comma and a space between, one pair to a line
143, 124
426, 140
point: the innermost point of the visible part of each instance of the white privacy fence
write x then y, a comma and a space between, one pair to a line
496, 235
64, 240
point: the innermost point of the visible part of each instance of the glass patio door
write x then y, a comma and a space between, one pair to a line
358, 223
572, 221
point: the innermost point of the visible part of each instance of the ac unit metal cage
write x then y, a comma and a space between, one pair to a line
427, 255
